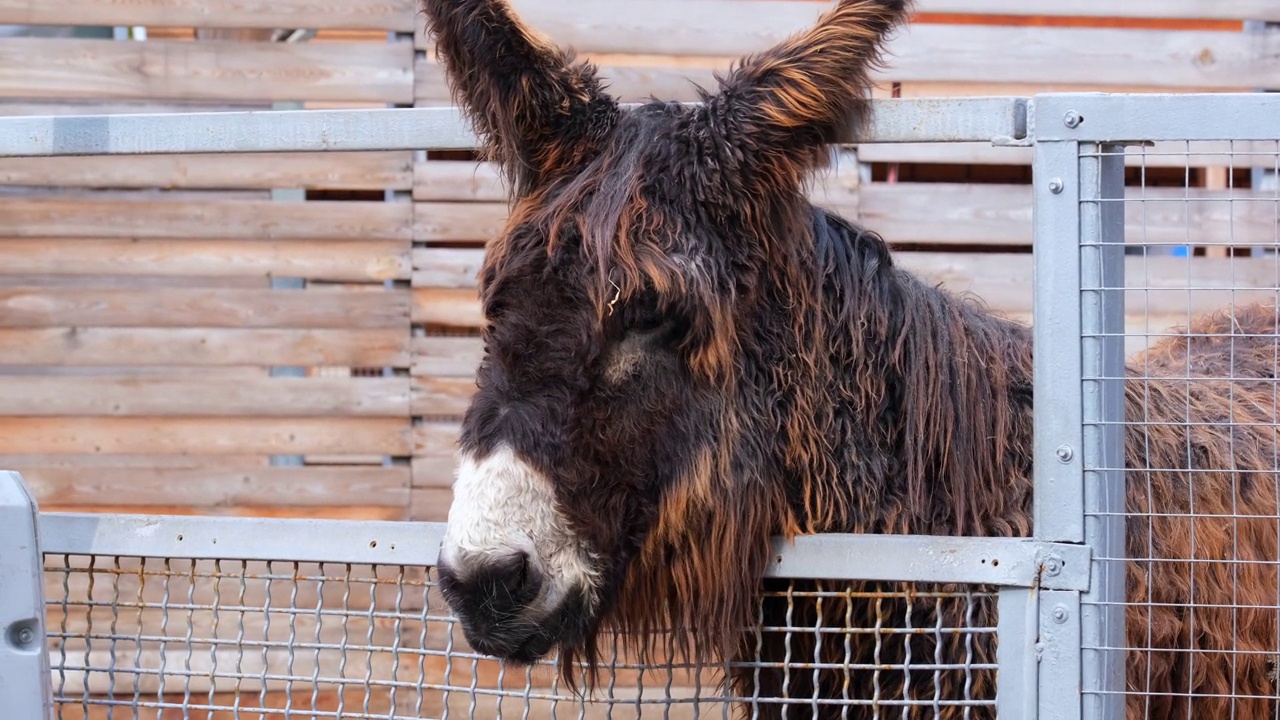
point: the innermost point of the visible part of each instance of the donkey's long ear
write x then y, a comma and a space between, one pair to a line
784, 105
534, 109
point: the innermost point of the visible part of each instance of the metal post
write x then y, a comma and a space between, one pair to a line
1059, 495
1102, 269
26, 691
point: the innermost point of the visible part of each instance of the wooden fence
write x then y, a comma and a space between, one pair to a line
296, 335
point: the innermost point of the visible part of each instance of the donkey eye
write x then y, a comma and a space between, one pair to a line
646, 321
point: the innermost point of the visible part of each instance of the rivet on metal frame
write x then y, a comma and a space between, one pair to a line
1056, 186
1072, 119
1060, 614
1065, 453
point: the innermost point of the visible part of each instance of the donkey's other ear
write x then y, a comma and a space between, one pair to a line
782, 106
534, 109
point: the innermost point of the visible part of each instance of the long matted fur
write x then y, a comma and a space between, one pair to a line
700, 360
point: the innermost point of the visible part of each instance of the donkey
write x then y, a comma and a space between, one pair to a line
683, 358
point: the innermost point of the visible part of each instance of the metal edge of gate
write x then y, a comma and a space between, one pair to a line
26, 687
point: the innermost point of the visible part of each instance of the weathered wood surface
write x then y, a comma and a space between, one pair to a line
210, 488
209, 308
83, 217
922, 52
263, 397
203, 436
1157, 9
196, 347
339, 260
1161, 155
214, 70
348, 171
394, 15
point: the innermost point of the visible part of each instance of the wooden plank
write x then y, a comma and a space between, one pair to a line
214, 70
441, 356
731, 28
182, 308
446, 267
262, 397
438, 222
458, 180
339, 261
1162, 155
439, 396
445, 307
945, 53
430, 504
1164, 9
435, 447
204, 436
904, 213
317, 171
202, 347
200, 487
50, 217
394, 15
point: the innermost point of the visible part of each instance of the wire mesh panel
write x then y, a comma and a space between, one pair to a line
158, 638
1180, 271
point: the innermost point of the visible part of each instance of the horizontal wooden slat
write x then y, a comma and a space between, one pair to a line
442, 356
442, 396
1159, 9
446, 268
447, 307
214, 436
347, 171
349, 14
341, 260
205, 397
225, 220
948, 213
438, 222
180, 308
731, 28
1237, 155
209, 488
435, 447
458, 180
214, 70
202, 347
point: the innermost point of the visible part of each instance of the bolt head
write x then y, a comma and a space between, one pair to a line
1065, 453
1060, 614
1052, 566
26, 636
1056, 186
1072, 119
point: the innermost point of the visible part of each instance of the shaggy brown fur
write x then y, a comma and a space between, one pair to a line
700, 360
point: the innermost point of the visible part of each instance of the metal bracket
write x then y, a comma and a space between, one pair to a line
26, 689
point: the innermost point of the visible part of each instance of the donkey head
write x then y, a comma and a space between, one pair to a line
622, 458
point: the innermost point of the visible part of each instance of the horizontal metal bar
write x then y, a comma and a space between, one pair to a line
235, 538
998, 120
994, 561
948, 120
1128, 118
1006, 562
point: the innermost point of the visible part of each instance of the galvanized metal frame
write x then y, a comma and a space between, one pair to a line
26, 690
999, 120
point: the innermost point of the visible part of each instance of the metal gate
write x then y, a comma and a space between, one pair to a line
215, 617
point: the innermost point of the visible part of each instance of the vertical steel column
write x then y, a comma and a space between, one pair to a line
1059, 494
1102, 336
26, 691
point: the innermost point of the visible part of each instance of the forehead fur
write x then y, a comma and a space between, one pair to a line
633, 219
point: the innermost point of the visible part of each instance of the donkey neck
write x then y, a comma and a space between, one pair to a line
916, 402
